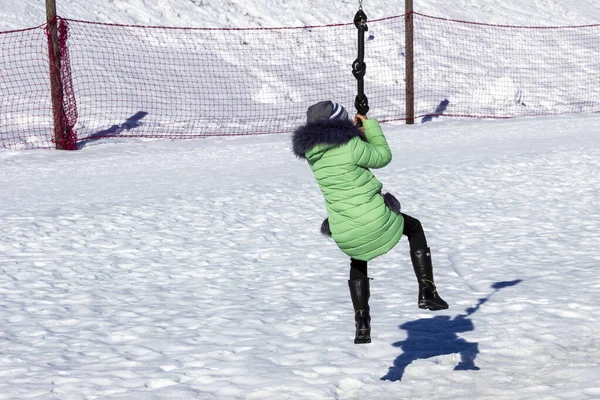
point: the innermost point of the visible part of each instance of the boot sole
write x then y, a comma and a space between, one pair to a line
362, 336
431, 306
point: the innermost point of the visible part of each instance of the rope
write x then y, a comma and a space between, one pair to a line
358, 66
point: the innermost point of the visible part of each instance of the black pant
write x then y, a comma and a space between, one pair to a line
413, 230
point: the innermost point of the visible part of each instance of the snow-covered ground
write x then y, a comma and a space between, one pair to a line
149, 269
195, 270
274, 13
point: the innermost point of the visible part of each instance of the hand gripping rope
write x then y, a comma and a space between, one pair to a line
358, 66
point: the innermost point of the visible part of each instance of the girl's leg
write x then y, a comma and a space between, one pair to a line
414, 231
420, 256
360, 293
358, 269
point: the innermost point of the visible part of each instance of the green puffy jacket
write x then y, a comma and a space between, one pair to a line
341, 157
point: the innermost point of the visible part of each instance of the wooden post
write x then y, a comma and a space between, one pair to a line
409, 62
55, 85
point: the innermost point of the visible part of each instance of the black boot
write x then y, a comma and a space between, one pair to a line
359, 292
428, 296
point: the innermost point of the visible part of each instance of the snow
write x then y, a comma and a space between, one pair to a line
274, 13
153, 269
194, 269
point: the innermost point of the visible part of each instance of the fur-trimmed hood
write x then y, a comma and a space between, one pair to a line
323, 131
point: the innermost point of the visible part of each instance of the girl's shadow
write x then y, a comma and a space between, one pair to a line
430, 337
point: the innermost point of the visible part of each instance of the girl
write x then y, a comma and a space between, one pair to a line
362, 221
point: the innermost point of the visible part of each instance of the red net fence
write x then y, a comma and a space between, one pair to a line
160, 82
506, 71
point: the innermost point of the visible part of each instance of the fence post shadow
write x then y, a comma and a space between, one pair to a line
431, 337
115, 130
438, 111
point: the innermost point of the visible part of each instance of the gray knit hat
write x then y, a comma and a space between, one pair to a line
326, 110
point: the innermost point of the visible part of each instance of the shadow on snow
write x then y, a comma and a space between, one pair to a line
431, 337
438, 111
115, 130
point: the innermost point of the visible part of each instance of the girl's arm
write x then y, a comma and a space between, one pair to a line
375, 152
